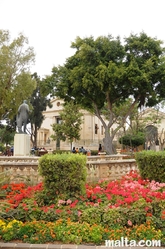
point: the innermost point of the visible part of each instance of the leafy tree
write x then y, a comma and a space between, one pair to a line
104, 74
16, 83
39, 102
133, 140
6, 134
70, 126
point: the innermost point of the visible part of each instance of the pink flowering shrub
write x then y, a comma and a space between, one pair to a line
126, 202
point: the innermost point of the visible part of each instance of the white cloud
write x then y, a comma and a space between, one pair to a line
51, 25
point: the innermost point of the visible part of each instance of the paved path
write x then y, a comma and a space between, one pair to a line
64, 246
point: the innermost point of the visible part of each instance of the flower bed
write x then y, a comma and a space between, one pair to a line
130, 207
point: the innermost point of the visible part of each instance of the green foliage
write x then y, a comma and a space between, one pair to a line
60, 151
92, 215
151, 165
130, 207
145, 60
69, 127
39, 102
6, 134
121, 215
2, 147
64, 174
103, 74
133, 140
116, 216
4, 179
94, 152
16, 83
40, 232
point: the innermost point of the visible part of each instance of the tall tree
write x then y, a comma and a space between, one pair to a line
103, 73
70, 125
6, 134
39, 102
16, 83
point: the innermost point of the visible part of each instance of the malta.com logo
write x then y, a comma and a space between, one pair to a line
124, 242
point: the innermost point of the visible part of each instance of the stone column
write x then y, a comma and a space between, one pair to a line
21, 145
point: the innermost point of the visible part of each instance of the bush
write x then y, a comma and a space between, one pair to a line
60, 151
151, 165
133, 140
64, 174
94, 152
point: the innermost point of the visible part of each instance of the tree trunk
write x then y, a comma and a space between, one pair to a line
108, 146
35, 135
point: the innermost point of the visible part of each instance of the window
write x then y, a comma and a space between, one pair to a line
96, 128
58, 120
102, 130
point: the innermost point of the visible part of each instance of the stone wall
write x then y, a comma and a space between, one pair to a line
25, 169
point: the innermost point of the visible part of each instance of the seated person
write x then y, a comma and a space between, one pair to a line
73, 150
82, 150
77, 151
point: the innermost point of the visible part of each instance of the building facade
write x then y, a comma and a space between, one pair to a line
155, 128
91, 134
92, 130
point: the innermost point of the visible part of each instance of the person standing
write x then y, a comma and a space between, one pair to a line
100, 148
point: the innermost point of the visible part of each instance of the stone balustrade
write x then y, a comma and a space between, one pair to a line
20, 169
107, 167
107, 157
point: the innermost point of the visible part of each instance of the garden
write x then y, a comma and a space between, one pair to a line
131, 207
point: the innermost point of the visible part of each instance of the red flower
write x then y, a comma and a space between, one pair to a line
58, 211
73, 204
149, 214
99, 200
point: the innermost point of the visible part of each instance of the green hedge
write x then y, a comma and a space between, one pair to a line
63, 174
93, 152
61, 151
151, 165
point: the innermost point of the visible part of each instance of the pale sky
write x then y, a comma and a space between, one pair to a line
51, 25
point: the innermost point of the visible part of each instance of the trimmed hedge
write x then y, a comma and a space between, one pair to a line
151, 165
63, 174
93, 152
61, 151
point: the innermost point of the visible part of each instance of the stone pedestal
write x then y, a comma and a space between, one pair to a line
157, 147
21, 145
